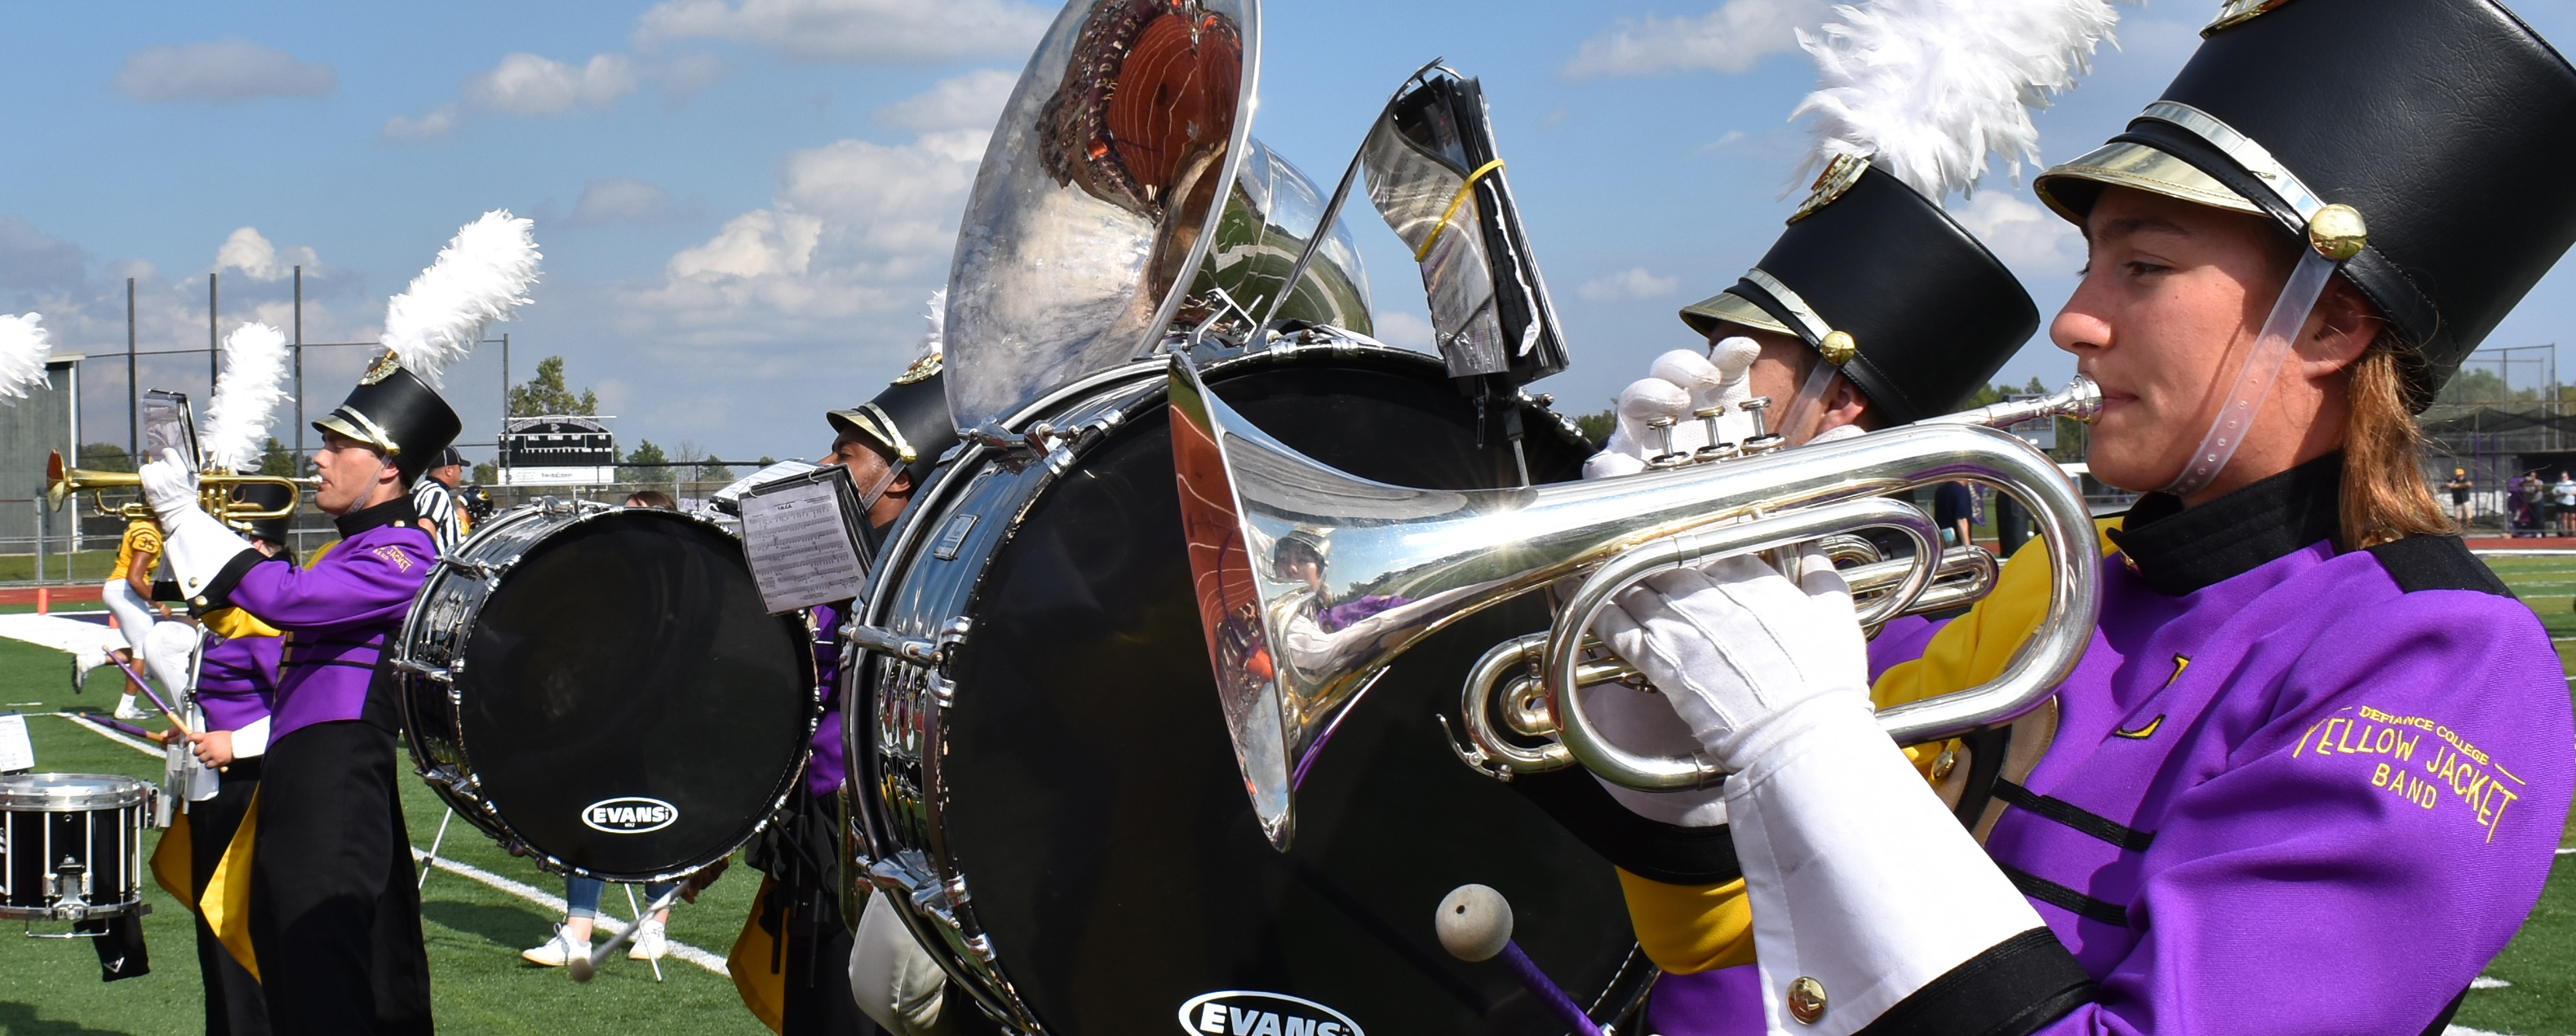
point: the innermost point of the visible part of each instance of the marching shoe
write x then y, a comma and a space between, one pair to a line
128, 708
650, 943
82, 663
556, 951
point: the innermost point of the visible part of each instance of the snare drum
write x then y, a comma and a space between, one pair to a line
71, 846
600, 688
1057, 808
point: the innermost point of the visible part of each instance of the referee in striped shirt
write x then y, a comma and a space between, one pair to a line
435, 498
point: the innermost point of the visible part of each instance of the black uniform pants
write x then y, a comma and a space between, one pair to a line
802, 859
234, 1003
335, 913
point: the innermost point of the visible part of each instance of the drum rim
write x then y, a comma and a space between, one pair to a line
111, 791
903, 866
476, 807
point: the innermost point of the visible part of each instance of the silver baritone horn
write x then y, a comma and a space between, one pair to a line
1310, 582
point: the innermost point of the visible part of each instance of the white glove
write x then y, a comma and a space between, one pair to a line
197, 546
169, 486
1858, 878
1678, 384
1737, 647
894, 980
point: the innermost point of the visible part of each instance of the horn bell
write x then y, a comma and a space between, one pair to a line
1408, 562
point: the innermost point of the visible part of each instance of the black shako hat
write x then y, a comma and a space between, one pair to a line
2447, 127
908, 422
269, 496
394, 411
1886, 285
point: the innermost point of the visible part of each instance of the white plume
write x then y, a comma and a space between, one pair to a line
481, 276
935, 339
1929, 89
23, 350
254, 382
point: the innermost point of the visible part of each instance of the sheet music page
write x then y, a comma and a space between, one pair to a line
15, 752
798, 542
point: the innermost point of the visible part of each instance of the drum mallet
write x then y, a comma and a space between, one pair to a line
1475, 924
582, 968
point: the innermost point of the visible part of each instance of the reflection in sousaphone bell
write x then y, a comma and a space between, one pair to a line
1096, 199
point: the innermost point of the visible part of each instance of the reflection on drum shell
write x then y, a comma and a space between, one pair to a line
1060, 804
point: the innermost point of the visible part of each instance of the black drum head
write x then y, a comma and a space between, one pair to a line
626, 704
1090, 797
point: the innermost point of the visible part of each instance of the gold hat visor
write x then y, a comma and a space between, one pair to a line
2070, 189
357, 426
1730, 308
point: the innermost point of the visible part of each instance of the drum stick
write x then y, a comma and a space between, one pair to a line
583, 969
167, 712
1475, 924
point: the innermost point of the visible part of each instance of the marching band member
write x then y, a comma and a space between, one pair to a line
1879, 307
334, 911
236, 693
789, 962
2311, 772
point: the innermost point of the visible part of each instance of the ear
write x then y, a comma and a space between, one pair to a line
2341, 328
1843, 405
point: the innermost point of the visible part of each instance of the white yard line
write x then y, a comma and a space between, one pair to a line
555, 903
531, 893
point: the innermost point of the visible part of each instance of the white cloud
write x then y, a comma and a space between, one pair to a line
85, 309
219, 72
1729, 39
524, 84
620, 199
878, 31
1405, 330
2023, 235
682, 77
1630, 285
971, 101
855, 235
253, 256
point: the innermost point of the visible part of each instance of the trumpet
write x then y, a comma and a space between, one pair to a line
214, 492
1430, 557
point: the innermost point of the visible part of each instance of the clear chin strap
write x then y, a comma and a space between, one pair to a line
2254, 379
1810, 396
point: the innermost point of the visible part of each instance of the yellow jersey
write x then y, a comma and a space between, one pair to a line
141, 538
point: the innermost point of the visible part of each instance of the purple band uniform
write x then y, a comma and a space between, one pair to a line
827, 769
336, 614
237, 681
2292, 789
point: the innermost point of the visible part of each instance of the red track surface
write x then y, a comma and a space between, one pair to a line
73, 594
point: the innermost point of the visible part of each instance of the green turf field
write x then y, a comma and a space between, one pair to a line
50, 988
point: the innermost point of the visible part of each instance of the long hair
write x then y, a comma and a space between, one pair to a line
2385, 497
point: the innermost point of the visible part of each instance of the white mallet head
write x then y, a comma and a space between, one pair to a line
1474, 922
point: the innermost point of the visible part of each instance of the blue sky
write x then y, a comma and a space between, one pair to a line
743, 203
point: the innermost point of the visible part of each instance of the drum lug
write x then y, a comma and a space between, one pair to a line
471, 569
422, 669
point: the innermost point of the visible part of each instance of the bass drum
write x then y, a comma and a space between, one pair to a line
599, 688
1056, 803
